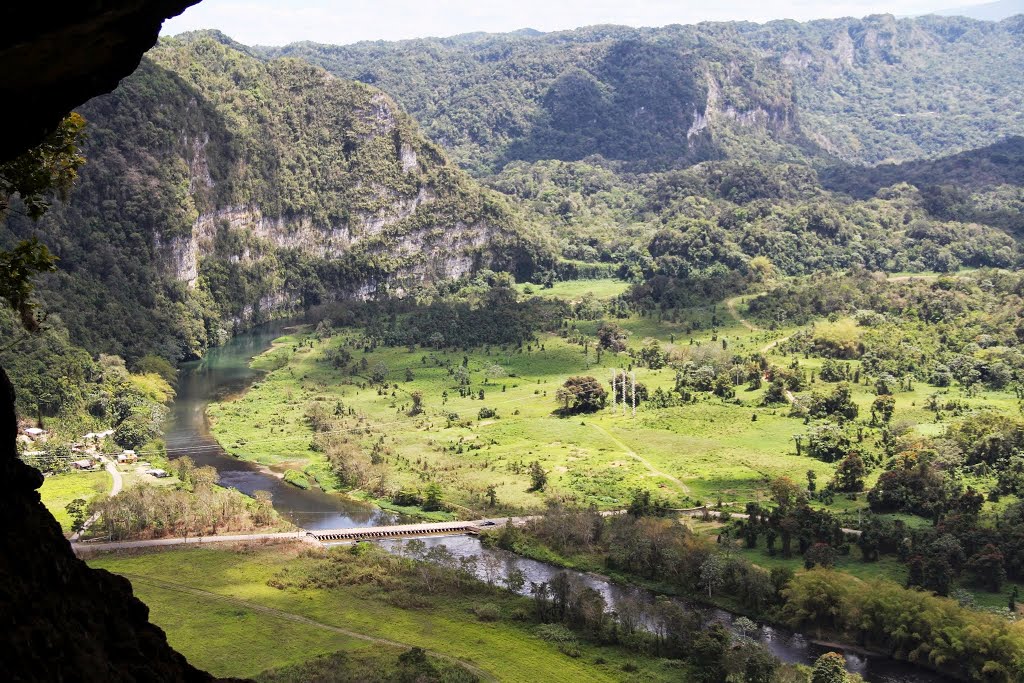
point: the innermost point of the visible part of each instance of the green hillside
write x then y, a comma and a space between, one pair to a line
864, 90
221, 190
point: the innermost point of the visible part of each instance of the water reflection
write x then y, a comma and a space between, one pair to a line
225, 371
786, 645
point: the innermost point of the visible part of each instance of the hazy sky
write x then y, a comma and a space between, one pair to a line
276, 22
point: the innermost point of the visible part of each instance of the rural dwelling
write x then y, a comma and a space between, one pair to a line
127, 456
34, 432
82, 464
158, 473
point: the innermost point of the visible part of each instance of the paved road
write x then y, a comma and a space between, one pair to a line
155, 542
118, 480
318, 535
118, 484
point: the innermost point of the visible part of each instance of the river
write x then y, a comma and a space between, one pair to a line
225, 370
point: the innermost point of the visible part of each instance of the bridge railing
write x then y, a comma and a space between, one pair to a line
392, 532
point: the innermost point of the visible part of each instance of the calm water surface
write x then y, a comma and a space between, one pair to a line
225, 371
786, 645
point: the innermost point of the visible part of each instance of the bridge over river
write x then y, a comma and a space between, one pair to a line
317, 536
399, 531
363, 533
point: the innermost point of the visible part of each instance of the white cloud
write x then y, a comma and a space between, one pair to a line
272, 22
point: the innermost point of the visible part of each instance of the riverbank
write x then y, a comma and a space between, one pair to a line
314, 509
593, 565
224, 629
487, 413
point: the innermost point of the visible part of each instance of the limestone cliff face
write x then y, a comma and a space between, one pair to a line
225, 190
355, 184
733, 105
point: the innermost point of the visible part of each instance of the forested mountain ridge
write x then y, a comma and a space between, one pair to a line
221, 190
668, 154
863, 90
227, 183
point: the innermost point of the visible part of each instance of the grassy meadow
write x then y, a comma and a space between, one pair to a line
693, 453
60, 489
219, 611
712, 450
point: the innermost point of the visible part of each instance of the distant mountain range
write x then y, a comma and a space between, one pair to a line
227, 184
872, 90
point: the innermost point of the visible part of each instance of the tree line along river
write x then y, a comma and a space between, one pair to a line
225, 370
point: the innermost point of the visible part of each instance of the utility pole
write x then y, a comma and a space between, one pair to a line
614, 395
623, 392
632, 377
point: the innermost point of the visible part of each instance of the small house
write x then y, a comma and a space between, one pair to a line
34, 432
158, 473
127, 455
82, 464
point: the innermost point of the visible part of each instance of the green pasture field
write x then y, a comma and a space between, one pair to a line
222, 630
711, 450
60, 489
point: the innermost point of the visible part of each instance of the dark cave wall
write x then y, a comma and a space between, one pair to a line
56, 55
61, 620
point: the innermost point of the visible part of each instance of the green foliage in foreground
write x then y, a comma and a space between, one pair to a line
877, 613
413, 665
911, 624
229, 638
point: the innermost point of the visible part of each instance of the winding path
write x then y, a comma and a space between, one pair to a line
683, 488
115, 488
297, 618
730, 305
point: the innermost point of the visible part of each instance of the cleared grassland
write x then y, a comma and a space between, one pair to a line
60, 489
604, 288
224, 631
708, 449
705, 451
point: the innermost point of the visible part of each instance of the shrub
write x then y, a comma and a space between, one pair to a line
487, 612
296, 478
